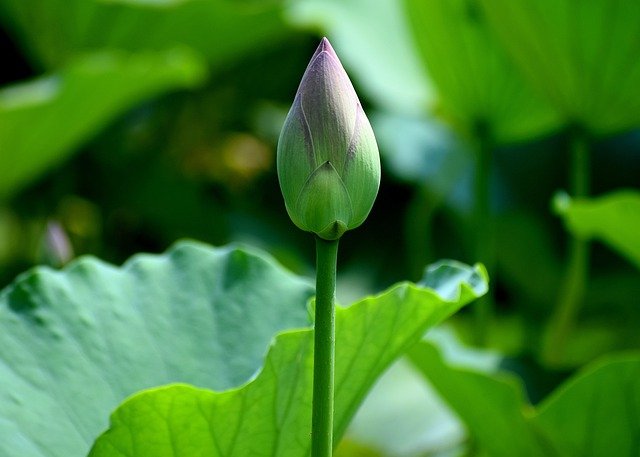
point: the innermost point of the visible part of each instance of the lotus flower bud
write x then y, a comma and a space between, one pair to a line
57, 248
328, 160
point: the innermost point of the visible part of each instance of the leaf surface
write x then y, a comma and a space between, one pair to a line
75, 343
271, 415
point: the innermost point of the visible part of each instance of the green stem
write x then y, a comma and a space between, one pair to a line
418, 230
324, 348
573, 287
483, 227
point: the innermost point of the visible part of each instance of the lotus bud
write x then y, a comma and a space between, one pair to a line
57, 247
328, 160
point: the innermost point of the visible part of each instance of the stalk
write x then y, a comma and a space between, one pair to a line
483, 225
324, 348
575, 279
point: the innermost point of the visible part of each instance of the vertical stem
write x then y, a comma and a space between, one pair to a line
483, 226
575, 279
324, 348
418, 232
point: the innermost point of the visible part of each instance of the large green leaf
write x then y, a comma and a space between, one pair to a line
613, 218
477, 83
45, 120
52, 31
596, 413
76, 343
375, 45
271, 415
581, 54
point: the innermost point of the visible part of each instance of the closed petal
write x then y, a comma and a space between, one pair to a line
361, 173
295, 157
324, 204
328, 101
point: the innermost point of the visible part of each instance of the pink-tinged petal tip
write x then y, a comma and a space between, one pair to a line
325, 46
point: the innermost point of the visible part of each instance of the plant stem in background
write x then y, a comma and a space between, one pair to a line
324, 348
418, 229
575, 279
483, 227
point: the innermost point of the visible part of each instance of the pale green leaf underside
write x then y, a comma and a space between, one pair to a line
596, 413
613, 218
75, 343
271, 416
581, 54
476, 81
45, 120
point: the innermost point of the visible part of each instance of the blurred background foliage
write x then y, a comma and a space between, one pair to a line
509, 132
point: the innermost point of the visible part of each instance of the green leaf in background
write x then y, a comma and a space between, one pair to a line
491, 406
52, 31
403, 416
76, 343
270, 416
613, 219
376, 46
595, 413
45, 120
581, 54
477, 83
